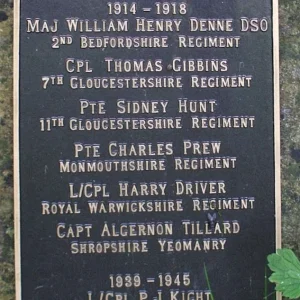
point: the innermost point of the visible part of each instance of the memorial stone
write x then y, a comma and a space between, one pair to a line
147, 161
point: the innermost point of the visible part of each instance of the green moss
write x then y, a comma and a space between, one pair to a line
290, 127
6, 148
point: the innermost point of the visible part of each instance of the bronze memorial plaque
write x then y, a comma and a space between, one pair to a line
147, 149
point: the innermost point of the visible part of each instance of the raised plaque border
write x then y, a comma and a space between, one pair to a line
276, 96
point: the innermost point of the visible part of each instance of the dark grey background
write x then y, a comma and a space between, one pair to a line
49, 271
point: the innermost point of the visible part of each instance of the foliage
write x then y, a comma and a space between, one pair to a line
286, 272
211, 296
